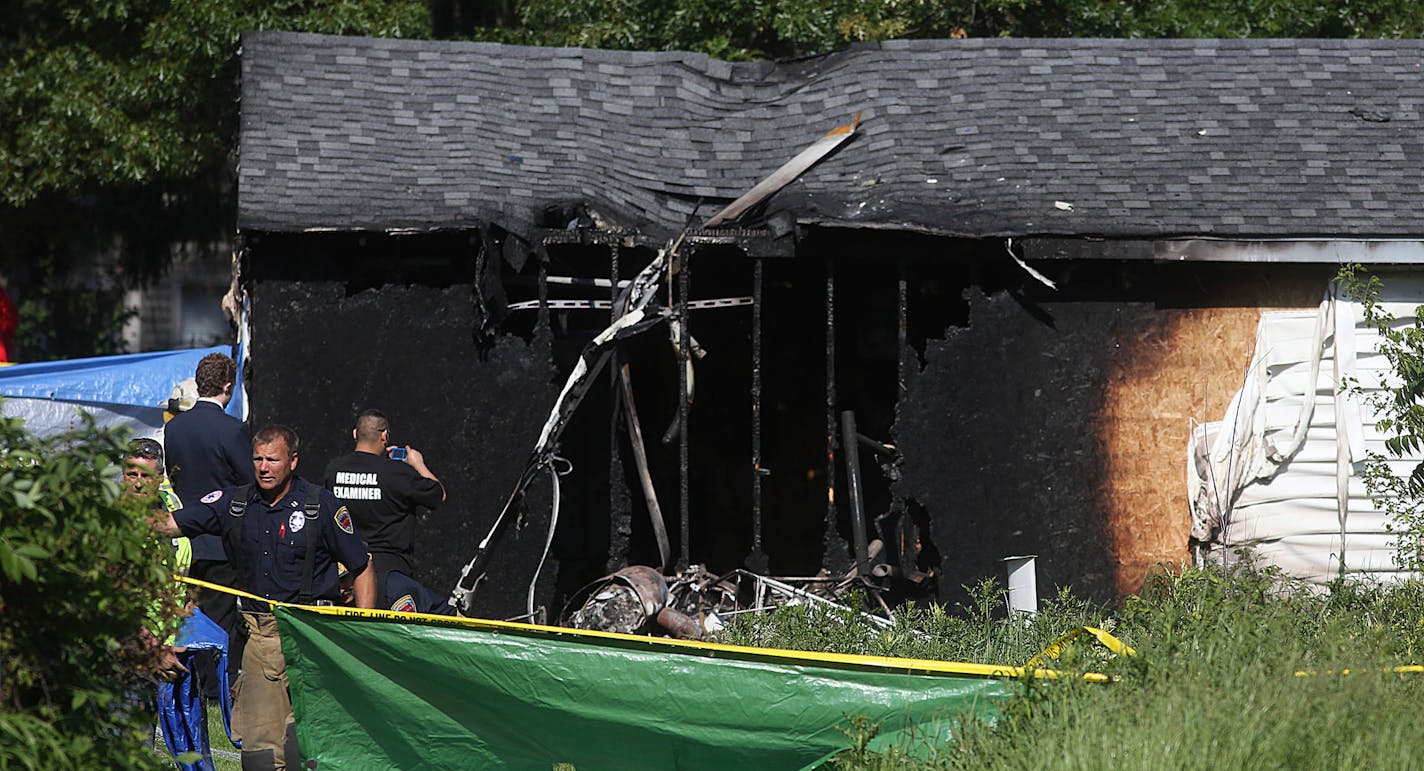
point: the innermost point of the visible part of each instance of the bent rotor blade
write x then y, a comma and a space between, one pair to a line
787, 174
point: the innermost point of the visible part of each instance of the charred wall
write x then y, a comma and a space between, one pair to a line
344, 322
1052, 422
340, 324
1029, 420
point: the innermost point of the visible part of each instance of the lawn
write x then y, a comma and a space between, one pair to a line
1236, 670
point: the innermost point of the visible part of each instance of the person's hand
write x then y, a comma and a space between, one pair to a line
416, 460
168, 667
413, 456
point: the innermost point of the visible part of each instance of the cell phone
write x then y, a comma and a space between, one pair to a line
398, 453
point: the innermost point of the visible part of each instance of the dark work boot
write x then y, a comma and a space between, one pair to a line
259, 760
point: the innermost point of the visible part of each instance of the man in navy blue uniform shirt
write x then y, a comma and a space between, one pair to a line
285, 538
207, 449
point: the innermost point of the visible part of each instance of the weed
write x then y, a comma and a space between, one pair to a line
1214, 683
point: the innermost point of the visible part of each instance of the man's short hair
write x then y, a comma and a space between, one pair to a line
215, 371
276, 431
370, 424
147, 449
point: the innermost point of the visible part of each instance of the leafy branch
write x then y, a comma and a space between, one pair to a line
1401, 416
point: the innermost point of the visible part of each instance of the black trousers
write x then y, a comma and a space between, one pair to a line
222, 609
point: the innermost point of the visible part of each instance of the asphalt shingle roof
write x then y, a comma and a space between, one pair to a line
992, 137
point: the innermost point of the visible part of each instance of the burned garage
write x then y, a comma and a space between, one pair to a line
902, 311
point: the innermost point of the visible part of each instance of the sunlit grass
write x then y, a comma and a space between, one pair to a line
225, 756
1213, 686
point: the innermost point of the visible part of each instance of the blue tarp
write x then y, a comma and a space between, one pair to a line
128, 390
137, 379
182, 713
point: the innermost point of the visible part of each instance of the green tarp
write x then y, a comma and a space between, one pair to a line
377, 693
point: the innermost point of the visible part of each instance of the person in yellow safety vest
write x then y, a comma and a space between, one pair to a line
182, 713
144, 476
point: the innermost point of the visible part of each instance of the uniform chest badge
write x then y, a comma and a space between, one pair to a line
343, 521
297, 521
212, 496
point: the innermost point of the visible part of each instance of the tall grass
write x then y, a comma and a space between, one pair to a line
1213, 685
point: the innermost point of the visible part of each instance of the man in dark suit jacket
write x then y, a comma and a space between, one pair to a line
208, 450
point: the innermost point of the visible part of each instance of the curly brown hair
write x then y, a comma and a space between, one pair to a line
215, 371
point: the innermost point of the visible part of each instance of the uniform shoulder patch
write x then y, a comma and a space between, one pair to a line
212, 496
405, 604
343, 521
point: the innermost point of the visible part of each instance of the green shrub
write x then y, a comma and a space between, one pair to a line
80, 576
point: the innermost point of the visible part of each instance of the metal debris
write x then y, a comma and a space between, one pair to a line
694, 604
787, 174
621, 602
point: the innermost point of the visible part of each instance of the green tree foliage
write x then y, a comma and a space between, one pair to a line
129, 92
1401, 410
80, 577
118, 120
747, 29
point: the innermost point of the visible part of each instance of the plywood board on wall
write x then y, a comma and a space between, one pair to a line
1182, 367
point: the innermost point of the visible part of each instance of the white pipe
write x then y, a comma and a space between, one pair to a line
1023, 584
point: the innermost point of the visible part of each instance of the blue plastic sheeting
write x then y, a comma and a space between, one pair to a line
50, 417
136, 379
182, 713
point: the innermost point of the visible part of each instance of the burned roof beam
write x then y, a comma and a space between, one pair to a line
755, 242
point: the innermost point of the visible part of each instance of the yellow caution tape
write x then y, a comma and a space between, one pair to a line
909, 666
1056, 648
1404, 669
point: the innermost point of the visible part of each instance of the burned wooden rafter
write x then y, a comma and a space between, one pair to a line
757, 560
684, 402
758, 241
850, 448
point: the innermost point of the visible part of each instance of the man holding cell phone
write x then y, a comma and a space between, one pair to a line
382, 486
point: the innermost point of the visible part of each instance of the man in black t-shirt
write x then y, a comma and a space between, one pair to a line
382, 495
